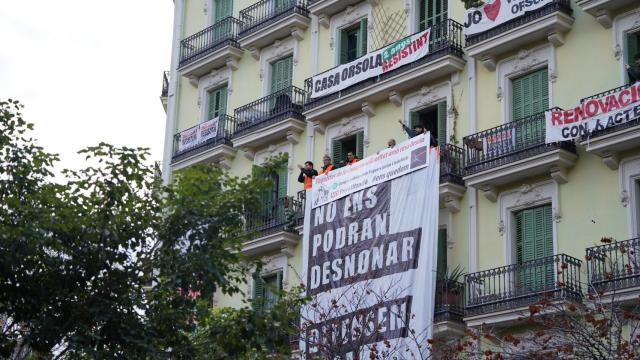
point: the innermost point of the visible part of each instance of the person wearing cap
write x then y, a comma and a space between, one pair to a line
418, 129
307, 173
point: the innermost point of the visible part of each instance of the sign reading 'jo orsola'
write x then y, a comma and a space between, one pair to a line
497, 12
402, 52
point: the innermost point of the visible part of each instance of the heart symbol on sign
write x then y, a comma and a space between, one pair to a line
492, 10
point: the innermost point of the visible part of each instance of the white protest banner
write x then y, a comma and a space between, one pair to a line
188, 139
406, 157
595, 114
402, 52
209, 130
496, 12
369, 265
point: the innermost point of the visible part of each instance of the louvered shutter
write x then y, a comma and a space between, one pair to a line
630, 50
442, 124
336, 151
432, 12
534, 241
281, 74
360, 144
414, 119
530, 96
224, 8
343, 46
217, 103
362, 38
442, 251
258, 293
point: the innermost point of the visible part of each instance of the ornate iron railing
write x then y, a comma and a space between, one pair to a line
451, 164
510, 287
509, 142
165, 84
445, 39
449, 304
283, 104
266, 12
615, 266
604, 93
197, 144
529, 16
280, 214
204, 42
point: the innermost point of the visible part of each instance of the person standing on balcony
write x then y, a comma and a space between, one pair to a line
307, 173
328, 166
634, 70
417, 130
391, 143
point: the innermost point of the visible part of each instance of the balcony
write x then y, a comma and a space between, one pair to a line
327, 8
614, 269
269, 20
449, 309
452, 186
513, 152
273, 118
549, 22
609, 142
210, 49
445, 57
164, 95
198, 149
502, 295
603, 10
274, 228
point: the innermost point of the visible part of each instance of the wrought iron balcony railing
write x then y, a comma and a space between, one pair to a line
266, 12
204, 42
451, 164
615, 266
529, 16
282, 214
445, 39
511, 287
283, 104
197, 144
449, 301
165, 84
608, 130
509, 142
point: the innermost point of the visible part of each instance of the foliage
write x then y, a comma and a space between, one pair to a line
106, 262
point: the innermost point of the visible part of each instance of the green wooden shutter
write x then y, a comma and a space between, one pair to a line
414, 119
217, 103
442, 123
631, 48
281, 74
258, 293
530, 94
223, 9
362, 38
279, 281
282, 181
343, 46
360, 144
534, 240
442, 251
431, 12
336, 151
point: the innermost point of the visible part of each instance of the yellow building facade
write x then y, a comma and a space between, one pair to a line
511, 206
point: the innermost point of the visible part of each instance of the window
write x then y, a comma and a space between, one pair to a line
631, 48
530, 94
265, 290
431, 12
442, 251
216, 103
534, 241
281, 74
352, 42
273, 208
340, 147
433, 119
223, 9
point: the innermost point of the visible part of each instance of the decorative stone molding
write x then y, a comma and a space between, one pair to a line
628, 175
249, 154
395, 98
489, 62
264, 155
367, 109
527, 196
293, 137
323, 20
520, 64
213, 80
254, 52
193, 81
319, 127
232, 63
490, 192
623, 24
345, 127
269, 54
297, 33
348, 17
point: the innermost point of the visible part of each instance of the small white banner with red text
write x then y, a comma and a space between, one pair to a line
596, 114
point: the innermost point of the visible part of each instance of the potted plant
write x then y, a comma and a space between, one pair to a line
450, 285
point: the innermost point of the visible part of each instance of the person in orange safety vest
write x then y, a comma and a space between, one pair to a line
328, 166
307, 173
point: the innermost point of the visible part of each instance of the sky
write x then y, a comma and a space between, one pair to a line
87, 71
